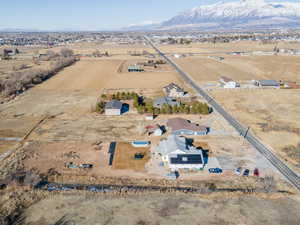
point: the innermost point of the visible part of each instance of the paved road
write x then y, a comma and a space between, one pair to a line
288, 173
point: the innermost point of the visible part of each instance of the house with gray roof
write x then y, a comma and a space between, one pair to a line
113, 108
176, 153
182, 126
159, 102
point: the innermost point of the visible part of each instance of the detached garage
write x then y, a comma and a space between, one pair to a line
113, 108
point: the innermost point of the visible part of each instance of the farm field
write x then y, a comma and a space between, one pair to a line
95, 75
164, 209
273, 115
73, 91
241, 46
242, 68
114, 49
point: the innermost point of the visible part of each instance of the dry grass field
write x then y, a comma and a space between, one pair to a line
156, 209
242, 68
97, 74
6, 145
124, 157
114, 49
273, 115
72, 92
241, 46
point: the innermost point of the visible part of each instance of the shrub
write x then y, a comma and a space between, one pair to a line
19, 81
100, 107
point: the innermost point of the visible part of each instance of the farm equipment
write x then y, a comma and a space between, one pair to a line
71, 165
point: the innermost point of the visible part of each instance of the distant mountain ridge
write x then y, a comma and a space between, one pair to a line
241, 14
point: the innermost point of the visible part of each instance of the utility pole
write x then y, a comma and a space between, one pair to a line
246, 132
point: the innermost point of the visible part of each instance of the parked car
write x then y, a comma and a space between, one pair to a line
94, 189
215, 170
256, 172
238, 171
86, 166
246, 172
51, 187
2, 186
171, 176
67, 188
71, 165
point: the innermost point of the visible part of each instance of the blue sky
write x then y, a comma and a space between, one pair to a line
90, 14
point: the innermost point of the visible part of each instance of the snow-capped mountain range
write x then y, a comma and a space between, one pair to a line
241, 14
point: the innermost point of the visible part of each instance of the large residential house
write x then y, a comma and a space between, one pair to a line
176, 153
159, 102
173, 91
228, 82
181, 126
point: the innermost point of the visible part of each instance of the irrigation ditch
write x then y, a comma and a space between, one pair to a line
123, 189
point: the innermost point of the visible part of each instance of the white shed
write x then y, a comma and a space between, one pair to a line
228, 83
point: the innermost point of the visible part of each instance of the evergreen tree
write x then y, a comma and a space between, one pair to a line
156, 111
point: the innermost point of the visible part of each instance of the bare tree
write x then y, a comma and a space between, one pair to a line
96, 53
66, 52
51, 54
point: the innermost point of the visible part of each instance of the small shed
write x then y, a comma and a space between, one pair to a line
135, 68
156, 130
113, 108
149, 117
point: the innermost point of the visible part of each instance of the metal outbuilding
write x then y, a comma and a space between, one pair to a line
267, 83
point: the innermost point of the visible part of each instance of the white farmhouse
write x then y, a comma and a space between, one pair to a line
228, 83
174, 91
177, 154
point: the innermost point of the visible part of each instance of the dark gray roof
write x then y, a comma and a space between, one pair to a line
165, 100
225, 79
187, 159
268, 83
114, 104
